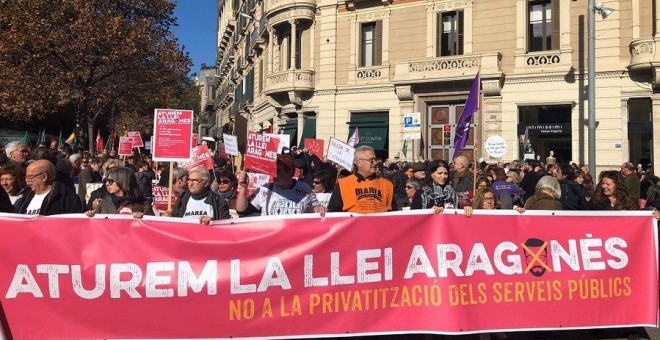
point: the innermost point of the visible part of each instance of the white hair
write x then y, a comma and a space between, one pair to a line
12, 146
74, 157
200, 169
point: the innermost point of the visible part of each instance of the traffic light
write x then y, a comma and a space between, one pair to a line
446, 134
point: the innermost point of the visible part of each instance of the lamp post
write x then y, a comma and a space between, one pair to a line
591, 79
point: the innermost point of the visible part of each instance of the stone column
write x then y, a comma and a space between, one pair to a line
292, 44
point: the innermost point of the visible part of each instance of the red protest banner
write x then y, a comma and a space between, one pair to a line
256, 180
137, 138
201, 156
172, 135
263, 277
159, 193
316, 146
261, 153
125, 146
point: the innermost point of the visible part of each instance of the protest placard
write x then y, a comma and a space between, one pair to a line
231, 144
316, 146
261, 153
256, 180
172, 135
125, 146
159, 195
285, 141
137, 139
341, 153
201, 156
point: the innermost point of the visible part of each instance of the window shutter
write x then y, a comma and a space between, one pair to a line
361, 46
460, 29
555, 25
438, 35
378, 43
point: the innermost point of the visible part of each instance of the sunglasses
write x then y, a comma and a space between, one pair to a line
224, 181
410, 187
316, 182
109, 181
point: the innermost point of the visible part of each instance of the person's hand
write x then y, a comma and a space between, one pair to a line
321, 210
467, 210
206, 220
438, 209
656, 214
90, 213
167, 213
519, 209
138, 214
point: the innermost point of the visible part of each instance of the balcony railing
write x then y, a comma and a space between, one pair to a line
290, 80
226, 96
643, 54
304, 9
454, 67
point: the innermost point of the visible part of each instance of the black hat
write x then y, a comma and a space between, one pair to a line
419, 166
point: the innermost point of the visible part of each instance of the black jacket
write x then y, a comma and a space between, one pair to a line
61, 200
219, 204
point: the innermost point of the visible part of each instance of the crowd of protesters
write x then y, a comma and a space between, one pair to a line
52, 179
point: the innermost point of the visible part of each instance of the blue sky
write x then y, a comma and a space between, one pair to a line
196, 30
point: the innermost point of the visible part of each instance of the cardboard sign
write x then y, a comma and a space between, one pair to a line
256, 180
172, 135
231, 144
495, 146
201, 156
125, 146
341, 153
285, 141
137, 139
159, 193
316, 146
261, 153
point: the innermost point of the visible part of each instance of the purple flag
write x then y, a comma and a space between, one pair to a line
463, 126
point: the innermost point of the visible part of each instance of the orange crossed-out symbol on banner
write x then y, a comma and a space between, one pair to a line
536, 257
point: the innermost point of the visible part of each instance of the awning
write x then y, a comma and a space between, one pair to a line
373, 129
309, 130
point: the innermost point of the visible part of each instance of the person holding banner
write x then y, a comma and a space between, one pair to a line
438, 193
199, 202
285, 196
123, 196
363, 191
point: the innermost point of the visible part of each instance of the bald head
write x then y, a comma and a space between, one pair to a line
41, 166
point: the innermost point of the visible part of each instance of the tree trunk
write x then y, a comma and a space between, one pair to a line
91, 138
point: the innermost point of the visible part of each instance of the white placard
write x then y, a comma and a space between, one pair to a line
231, 144
285, 141
341, 153
495, 146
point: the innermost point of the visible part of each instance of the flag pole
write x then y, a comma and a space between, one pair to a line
478, 134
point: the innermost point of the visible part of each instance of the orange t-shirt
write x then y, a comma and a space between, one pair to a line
366, 196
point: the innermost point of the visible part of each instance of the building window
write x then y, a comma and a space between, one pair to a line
450, 33
371, 37
543, 25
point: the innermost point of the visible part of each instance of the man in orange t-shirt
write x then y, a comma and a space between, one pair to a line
363, 191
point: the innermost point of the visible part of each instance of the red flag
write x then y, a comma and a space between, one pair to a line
99, 142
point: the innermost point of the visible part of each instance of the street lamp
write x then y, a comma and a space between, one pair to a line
591, 78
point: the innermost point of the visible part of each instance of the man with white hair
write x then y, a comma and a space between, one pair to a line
199, 202
17, 154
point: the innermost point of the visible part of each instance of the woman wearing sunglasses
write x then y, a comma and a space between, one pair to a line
123, 196
226, 188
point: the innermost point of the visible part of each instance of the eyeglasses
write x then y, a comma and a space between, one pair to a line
370, 160
109, 181
195, 180
410, 187
316, 182
224, 181
23, 151
489, 198
29, 178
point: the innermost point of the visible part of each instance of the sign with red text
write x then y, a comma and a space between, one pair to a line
316, 146
137, 138
172, 135
306, 276
201, 156
160, 194
261, 153
125, 146
256, 180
